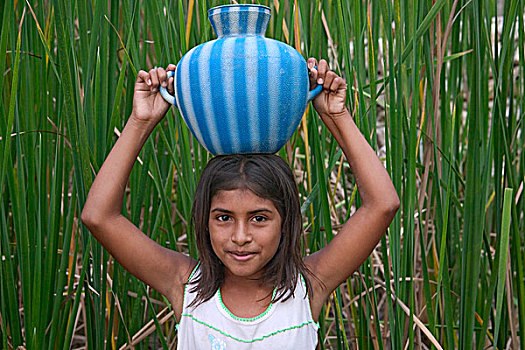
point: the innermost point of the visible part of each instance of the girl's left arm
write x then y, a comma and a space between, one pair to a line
360, 234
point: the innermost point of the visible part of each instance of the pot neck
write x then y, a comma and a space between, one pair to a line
239, 20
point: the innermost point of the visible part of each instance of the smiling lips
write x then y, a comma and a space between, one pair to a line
241, 256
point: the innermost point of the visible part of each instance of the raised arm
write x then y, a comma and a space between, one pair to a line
161, 268
361, 233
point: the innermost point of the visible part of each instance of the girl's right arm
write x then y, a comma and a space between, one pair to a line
163, 269
354, 242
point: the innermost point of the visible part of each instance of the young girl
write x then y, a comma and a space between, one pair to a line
250, 289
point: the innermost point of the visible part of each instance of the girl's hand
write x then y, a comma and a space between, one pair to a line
149, 107
330, 103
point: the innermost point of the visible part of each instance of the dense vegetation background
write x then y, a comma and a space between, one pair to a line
436, 86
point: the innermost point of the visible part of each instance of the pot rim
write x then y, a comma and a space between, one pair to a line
213, 9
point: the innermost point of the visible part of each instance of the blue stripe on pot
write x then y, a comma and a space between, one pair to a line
224, 28
241, 99
274, 89
299, 92
218, 94
228, 84
286, 91
195, 87
261, 23
207, 80
262, 99
288, 102
186, 104
244, 16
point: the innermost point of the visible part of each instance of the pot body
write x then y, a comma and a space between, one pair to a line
242, 93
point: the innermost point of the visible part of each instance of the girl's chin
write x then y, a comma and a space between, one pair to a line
243, 272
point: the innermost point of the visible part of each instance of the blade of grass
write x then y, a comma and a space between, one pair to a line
9, 293
502, 263
6, 149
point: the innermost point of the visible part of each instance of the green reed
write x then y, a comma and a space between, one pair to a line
433, 86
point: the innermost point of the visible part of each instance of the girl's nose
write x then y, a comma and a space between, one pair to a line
240, 235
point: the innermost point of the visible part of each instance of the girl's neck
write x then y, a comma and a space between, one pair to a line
247, 286
245, 298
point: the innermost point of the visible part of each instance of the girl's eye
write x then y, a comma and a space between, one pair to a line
259, 218
223, 218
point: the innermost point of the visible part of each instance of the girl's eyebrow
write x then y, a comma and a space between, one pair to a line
221, 210
261, 210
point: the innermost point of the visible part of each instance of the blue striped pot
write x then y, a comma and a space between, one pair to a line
241, 93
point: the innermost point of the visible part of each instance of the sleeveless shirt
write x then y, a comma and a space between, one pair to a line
210, 325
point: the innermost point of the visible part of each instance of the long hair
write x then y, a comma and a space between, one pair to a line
269, 177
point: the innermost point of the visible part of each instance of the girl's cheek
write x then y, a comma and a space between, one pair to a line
216, 245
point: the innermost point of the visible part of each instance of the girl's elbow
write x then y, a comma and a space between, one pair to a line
391, 205
396, 203
87, 217
394, 206
96, 218
90, 217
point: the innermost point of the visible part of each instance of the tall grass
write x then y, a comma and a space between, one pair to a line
437, 88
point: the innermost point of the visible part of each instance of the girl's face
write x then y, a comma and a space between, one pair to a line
245, 231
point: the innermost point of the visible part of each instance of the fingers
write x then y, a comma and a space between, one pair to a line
337, 84
143, 77
163, 77
171, 67
311, 63
320, 74
333, 82
171, 90
323, 75
328, 79
312, 71
156, 77
322, 69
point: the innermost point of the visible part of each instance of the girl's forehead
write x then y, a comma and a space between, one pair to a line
239, 196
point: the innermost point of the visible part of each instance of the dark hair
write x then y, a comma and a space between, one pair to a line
269, 177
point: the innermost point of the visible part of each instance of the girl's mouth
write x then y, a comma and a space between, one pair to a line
241, 256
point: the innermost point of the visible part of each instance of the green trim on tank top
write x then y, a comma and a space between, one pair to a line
191, 274
255, 339
316, 324
251, 319
186, 289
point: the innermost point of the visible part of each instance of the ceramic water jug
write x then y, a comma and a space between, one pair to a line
241, 93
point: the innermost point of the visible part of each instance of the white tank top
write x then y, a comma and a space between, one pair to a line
210, 325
